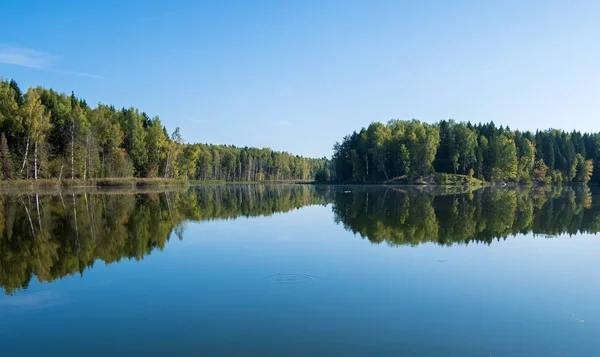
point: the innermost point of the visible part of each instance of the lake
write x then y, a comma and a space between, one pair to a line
253, 270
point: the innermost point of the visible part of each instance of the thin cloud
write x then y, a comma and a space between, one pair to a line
82, 74
30, 58
283, 122
26, 57
196, 120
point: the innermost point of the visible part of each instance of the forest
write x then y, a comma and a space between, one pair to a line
49, 135
53, 235
399, 149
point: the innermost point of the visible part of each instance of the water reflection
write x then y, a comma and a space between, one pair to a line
411, 216
57, 234
52, 235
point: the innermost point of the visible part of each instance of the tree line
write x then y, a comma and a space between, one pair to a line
382, 152
46, 134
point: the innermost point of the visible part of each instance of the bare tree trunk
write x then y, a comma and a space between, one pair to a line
25, 156
75, 216
37, 205
169, 205
35, 160
90, 219
86, 163
29, 217
72, 151
167, 163
63, 202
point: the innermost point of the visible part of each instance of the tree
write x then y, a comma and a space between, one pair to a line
135, 139
504, 155
36, 121
526, 154
156, 143
79, 134
540, 171
379, 137
5, 159
464, 147
583, 168
173, 150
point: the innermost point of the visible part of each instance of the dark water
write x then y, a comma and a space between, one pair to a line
301, 271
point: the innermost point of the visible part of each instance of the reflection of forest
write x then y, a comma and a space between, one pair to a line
413, 217
53, 235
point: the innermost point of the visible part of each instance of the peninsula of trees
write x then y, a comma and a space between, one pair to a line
45, 134
411, 149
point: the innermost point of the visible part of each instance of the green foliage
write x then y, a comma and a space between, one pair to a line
389, 153
555, 177
504, 159
49, 135
540, 171
441, 178
383, 152
6, 163
583, 169
526, 155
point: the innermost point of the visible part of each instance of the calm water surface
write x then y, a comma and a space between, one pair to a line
301, 271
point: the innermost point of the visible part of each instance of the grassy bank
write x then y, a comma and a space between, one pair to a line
121, 183
447, 180
106, 182
436, 179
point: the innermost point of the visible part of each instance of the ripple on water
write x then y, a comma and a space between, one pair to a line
291, 279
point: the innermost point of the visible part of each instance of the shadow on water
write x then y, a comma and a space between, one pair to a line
52, 235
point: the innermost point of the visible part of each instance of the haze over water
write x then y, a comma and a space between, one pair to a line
300, 270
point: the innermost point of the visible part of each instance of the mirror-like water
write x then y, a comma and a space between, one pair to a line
300, 270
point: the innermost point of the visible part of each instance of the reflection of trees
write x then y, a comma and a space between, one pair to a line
54, 235
412, 217
387, 215
50, 236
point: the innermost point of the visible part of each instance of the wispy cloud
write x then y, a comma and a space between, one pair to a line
81, 74
195, 120
26, 57
30, 58
283, 122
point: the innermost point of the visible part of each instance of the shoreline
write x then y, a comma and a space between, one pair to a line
125, 183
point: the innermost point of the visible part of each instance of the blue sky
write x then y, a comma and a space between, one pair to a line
299, 75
